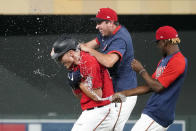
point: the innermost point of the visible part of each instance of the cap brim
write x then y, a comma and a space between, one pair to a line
57, 55
97, 19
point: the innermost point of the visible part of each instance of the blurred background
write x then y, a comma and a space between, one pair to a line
34, 94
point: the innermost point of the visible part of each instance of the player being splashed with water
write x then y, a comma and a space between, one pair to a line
92, 84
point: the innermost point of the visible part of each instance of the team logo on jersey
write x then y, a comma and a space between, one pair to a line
159, 71
70, 77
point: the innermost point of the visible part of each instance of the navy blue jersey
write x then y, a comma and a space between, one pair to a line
120, 42
170, 72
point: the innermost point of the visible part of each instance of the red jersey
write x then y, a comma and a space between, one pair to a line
97, 76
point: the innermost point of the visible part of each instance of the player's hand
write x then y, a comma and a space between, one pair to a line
118, 98
85, 48
136, 65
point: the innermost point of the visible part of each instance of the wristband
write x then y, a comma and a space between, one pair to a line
142, 70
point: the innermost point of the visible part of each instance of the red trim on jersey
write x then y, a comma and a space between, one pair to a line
114, 51
97, 41
116, 30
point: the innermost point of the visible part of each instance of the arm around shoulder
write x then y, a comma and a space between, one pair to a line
107, 60
92, 44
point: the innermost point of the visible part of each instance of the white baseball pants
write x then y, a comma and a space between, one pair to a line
127, 108
97, 119
146, 123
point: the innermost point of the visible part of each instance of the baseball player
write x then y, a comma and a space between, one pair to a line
93, 84
166, 83
116, 53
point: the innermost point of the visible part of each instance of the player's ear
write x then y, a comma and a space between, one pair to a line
166, 43
110, 23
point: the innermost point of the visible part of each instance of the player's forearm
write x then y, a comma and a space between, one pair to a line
106, 60
140, 90
155, 85
93, 94
92, 44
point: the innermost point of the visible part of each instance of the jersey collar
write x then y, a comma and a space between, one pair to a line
116, 30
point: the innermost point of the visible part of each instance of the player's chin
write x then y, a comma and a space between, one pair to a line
67, 66
102, 33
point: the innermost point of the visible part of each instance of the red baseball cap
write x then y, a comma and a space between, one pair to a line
166, 32
106, 14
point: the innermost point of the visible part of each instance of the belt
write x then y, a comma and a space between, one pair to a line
94, 107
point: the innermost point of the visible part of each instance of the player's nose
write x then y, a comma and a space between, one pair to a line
97, 26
